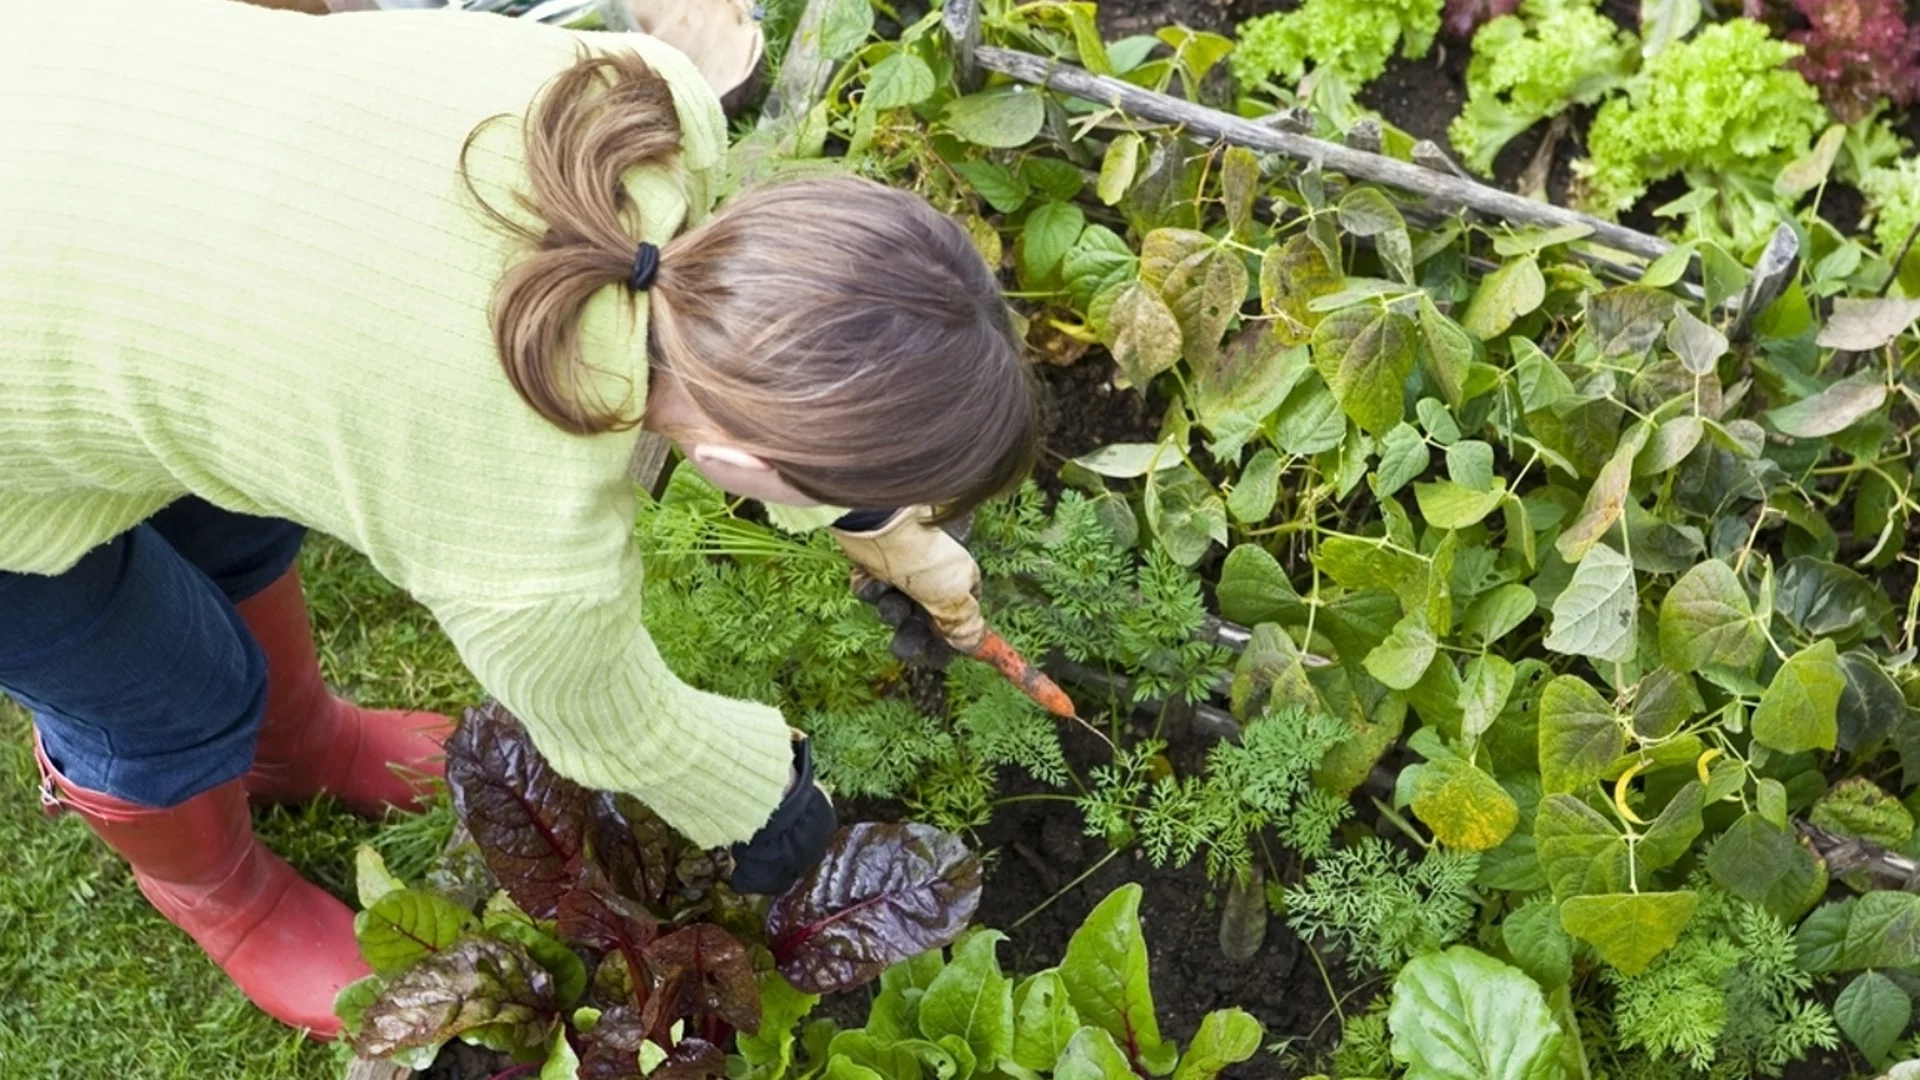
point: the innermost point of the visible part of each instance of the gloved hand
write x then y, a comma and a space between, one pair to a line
926, 563
794, 840
914, 638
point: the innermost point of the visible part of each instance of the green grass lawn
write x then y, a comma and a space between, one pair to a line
93, 983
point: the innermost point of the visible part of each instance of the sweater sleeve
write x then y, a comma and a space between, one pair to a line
601, 704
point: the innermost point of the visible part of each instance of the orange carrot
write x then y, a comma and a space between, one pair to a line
993, 649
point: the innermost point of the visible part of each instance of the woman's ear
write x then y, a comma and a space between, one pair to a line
710, 455
742, 472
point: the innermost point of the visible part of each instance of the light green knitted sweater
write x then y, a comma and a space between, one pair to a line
237, 261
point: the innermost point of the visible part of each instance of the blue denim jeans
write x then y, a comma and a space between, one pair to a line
140, 675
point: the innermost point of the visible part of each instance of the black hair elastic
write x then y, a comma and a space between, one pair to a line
646, 263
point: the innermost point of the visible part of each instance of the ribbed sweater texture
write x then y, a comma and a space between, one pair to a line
237, 260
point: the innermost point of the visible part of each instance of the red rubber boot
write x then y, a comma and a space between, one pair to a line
284, 941
312, 742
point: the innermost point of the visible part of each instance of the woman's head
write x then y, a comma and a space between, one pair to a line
829, 338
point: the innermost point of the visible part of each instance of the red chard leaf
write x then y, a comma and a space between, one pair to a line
479, 982
701, 970
692, 1059
594, 915
884, 893
611, 1051
636, 848
530, 822
1463, 17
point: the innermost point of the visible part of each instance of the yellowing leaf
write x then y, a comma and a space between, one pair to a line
1239, 186
1629, 930
1580, 735
1292, 276
1466, 808
1365, 353
1204, 291
1142, 333
1800, 708
1606, 500
1118, 167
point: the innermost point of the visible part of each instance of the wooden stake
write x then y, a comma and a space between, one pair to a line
961, 18
1214, 124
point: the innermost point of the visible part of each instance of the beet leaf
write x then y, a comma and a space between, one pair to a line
529, 821
883, 893
611, 1051
698, 971
1463, 17
477, 983
692, 1059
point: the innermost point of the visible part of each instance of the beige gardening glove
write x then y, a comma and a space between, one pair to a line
920, 559
721, 37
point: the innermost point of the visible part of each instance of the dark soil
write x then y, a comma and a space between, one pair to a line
1082, 411
1037, 853
458, 1061
1041, 849
1123, 18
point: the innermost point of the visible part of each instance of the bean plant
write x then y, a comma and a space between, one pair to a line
1587, 581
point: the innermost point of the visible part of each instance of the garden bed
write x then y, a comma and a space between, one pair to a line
1568, 723
1046, 874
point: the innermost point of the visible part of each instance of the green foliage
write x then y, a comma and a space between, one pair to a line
880, 749
1351, 40
1533, 65
1089, 1018
1730, 999
1721, 108
1365, 1047
1264, 780
1462, 1015
709, 580
1615, 571
1382, 908
1894, 193
1068, 582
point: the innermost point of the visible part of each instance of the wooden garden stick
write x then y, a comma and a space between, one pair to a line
1844, 854
1214, 124
804, 72
962, 23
